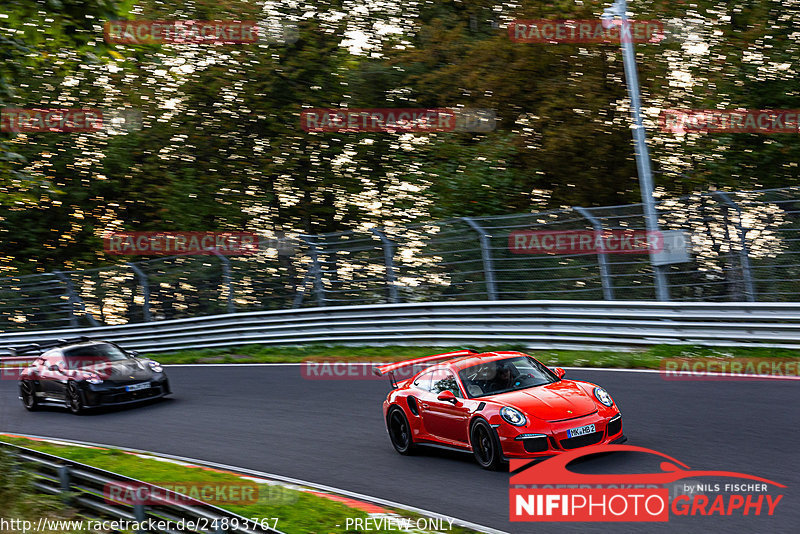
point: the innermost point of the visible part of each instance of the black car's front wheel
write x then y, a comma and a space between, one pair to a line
28, 393
400, 431
74, 398
485, 445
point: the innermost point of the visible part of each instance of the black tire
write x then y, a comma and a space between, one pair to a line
74, 399
28, 393
485, 445
400, 432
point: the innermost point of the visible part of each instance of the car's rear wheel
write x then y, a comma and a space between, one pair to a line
485, 446
400, 431
74, 399
28, 394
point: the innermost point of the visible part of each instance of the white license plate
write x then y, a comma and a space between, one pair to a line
137, 387
580, 431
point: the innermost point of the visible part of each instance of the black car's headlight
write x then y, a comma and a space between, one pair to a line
603, 396
94, 379
512, 416
155, 366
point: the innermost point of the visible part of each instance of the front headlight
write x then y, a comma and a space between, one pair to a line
512, 416
155, 366
603, 396
94, 379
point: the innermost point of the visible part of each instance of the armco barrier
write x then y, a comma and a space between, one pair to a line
82, 487
538, 324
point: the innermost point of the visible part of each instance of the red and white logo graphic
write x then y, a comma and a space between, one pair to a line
584, 242
397, 120
176, 243
19, 120
549, 491
544, 31
139, 32
682, 121
730, 368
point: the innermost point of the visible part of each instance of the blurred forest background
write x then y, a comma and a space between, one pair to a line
221, 146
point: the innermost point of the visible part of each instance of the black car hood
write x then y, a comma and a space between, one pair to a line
131, 370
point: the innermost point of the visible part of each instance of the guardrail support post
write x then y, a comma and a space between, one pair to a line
74, 298
486, 255
602, 260
744, 252
64, 479
388, 259
145, 283
140, 515
318, 287
227, 279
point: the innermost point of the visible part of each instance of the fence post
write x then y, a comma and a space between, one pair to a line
318, 287
486, 254
74, 298
602, 260
744, 252
388, 259
227, 279
145, 283
298, 296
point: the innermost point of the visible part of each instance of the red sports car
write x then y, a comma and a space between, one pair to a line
498, 405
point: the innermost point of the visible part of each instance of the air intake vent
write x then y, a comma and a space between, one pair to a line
412, 405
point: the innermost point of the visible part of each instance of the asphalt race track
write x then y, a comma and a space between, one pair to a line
331, 432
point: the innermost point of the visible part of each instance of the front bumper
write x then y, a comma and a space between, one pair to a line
104, 395
519, 442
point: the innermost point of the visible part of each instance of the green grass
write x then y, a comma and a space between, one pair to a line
297, 511
641, 359
20, 501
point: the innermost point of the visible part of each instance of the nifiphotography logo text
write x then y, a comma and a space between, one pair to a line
548, 491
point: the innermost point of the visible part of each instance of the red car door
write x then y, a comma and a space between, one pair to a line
444, 420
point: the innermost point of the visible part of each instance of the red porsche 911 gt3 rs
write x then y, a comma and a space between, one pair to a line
498, 405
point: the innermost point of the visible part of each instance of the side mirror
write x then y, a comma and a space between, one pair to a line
559, 372
447, 396
134, 353
54, 367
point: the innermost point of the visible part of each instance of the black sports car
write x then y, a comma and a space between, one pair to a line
87, 374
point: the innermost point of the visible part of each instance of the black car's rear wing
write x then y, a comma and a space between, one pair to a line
44, 345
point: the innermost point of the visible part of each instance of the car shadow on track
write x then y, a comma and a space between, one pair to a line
102, 410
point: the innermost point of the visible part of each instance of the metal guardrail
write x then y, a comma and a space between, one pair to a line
82, 487
538, 324
722, 247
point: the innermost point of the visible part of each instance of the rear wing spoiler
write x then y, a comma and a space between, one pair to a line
392, 367
44, 345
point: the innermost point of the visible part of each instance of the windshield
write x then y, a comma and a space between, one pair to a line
502, 376
88, 355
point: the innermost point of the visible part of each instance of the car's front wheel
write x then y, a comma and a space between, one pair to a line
485, 446
400, 431
74, 398
28, 394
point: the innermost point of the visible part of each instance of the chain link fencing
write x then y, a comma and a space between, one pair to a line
740, 246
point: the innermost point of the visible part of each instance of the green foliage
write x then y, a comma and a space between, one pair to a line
221, 145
